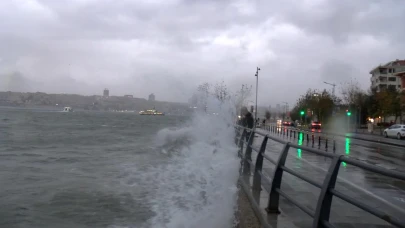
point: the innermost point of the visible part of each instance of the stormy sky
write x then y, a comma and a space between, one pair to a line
169, 47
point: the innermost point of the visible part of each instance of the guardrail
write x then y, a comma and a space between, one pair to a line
327, 135
308, 136
322, 212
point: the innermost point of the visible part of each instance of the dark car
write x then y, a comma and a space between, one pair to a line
315, 125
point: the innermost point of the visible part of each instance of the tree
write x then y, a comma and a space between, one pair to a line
320, 103
221, 92
389, 102
355, 98
204, 90
241, 96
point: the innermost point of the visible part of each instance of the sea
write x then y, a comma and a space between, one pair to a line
116, 170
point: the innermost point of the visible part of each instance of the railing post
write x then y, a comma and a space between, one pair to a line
248, 154
324, 204
334, 145
241, 140
313, 140
274, 196
257, 179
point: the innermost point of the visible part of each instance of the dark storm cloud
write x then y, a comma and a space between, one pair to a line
169, 47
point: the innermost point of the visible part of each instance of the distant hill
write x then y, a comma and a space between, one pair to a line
94, 102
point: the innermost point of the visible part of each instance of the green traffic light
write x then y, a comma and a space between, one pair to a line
349, 113
302, 113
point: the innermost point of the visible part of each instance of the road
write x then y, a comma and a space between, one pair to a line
377, 153
354, 181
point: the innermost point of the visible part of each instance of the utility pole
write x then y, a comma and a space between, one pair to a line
333, 94
257, 87
333, 90
285, 109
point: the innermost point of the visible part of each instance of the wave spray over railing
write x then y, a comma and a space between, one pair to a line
196, 185
322, 212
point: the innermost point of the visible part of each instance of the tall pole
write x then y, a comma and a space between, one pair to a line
257, 88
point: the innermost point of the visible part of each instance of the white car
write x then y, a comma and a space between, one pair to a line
396, 130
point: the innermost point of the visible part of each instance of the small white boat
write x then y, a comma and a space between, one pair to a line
68, 109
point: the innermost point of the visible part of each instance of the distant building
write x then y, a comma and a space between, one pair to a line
384, 76
151, 97
128, 96
401, 76
106, 93
390, 75
278, 109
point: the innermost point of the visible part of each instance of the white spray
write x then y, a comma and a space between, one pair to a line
197, 186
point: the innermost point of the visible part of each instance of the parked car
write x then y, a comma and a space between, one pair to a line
396, 130
315, 125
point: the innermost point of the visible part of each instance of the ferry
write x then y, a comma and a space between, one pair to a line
68, 109
151, 112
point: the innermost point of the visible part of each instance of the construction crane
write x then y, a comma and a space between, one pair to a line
333, 90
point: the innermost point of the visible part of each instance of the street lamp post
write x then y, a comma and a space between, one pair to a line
285, 109
257, 88
333, 96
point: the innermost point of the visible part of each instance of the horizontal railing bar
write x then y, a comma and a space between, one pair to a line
255, 148
276, 139
293, 201
267, 157
309, 149
327, 224
260, 133
365, 207
250, 162
265, 178
302, 177
375, 169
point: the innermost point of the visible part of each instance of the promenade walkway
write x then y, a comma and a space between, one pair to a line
377, 191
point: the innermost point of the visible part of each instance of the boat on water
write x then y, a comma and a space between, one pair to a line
68, 109
151, 112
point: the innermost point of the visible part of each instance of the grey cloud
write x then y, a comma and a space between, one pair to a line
169, 47
340, 19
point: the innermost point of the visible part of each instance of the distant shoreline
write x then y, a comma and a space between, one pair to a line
56, 102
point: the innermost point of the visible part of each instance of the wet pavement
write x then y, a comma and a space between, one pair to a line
378, 191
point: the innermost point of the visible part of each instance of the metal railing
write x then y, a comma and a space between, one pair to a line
324, 202
326, 141
326, 137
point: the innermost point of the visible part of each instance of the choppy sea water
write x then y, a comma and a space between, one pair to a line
89, 169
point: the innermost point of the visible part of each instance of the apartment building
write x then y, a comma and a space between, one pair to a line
384, 76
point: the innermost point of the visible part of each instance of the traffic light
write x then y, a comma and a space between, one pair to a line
302, 113
348, 113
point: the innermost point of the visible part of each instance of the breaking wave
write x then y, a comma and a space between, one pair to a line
197, 183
